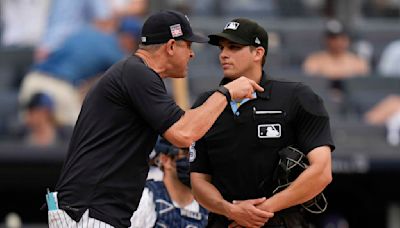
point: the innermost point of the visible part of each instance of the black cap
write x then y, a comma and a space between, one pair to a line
169, 24
242, 31
334, 27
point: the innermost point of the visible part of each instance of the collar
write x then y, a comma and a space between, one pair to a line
264, 82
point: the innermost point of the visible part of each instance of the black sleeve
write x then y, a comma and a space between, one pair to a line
202, 98
149, 96
312, 120
199, 161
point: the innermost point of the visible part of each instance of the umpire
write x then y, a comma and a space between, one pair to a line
105, 170
232, 166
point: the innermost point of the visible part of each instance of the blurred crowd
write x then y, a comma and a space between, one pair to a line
71, 43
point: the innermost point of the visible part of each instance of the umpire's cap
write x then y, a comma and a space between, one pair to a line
242, 31
169, 24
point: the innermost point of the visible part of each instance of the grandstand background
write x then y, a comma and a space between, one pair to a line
366, 167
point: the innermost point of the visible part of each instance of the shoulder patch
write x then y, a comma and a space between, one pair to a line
192, 152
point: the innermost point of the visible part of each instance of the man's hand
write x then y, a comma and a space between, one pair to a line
245, 213
242, 88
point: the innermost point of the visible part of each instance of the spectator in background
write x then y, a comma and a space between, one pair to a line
84, 55
66, 17
169, 202
135, 8
41, 128
336, 61
387, 112
389, 63
24, 22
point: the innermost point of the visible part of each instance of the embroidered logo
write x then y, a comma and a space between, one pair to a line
257, 41
192, 152
232, 25
269, 131
176, 30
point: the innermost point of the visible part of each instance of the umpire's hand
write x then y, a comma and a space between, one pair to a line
242, 87
246, 214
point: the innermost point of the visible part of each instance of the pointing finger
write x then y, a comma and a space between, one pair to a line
256, 86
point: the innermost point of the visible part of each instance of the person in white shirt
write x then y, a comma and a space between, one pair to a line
388, 65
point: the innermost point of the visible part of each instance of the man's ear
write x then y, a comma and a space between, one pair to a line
170, 46
259, 53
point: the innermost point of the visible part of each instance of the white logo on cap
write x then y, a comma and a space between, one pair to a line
232, 25
257, 41
144, 39
176, 30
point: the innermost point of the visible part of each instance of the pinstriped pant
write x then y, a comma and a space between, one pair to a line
60, 219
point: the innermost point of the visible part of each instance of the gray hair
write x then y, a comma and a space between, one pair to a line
150, 47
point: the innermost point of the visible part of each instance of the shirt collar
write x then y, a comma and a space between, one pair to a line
264, 82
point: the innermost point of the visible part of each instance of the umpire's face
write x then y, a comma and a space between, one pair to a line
237, 59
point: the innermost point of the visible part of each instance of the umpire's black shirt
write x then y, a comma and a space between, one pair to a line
240, 150
107, 161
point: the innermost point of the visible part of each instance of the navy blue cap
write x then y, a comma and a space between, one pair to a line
40, 100
168, 24
165, 147
130, 25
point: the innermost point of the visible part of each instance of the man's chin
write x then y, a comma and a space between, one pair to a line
230, 75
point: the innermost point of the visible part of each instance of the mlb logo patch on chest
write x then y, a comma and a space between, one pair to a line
269, 131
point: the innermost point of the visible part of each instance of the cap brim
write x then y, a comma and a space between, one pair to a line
197, 38
215, 38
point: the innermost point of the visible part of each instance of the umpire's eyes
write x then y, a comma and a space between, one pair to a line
233, 47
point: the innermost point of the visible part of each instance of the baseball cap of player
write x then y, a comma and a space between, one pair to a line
242, 31
169, 24
165, 147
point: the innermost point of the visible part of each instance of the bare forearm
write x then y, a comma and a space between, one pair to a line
209, 197
196, 122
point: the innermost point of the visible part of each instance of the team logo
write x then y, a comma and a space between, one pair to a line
232, 25
192, 152
257, 41
269, 131
176, 30
144, 39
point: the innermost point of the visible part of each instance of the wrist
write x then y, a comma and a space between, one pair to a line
225, 91
227, 209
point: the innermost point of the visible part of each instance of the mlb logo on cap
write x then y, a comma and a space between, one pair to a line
176, 30
232, 25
